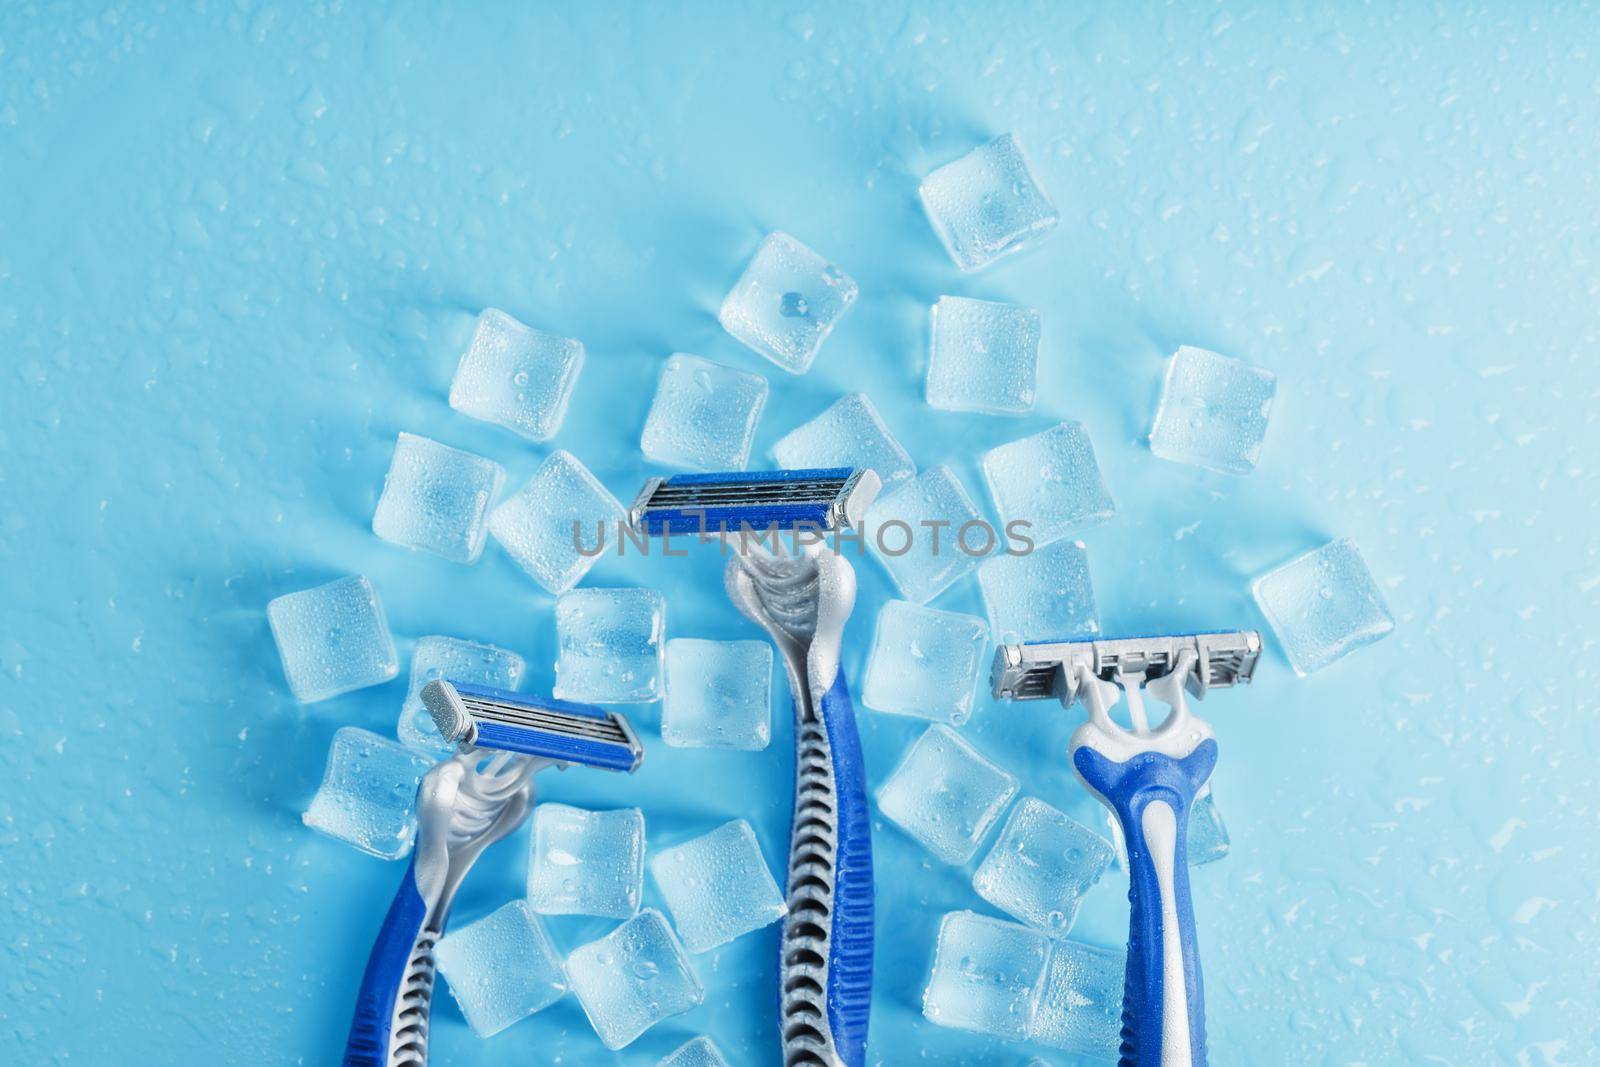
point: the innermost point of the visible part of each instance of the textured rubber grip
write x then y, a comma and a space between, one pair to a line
1163, 1005
826, 963
399, 972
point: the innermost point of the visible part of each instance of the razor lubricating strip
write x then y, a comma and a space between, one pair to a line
826, 498
558, 730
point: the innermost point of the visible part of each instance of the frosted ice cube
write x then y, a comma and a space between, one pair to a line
1080, 1009
719, 694
516, 376
946, 794
557, 525
586, 862
501, 968
457, 661
987, 204
1323, 606
704, 415
986, 975
1208, 837
717, 886
332, 639
633, 978
924, 662
918, 532
610, 645
368, 796
1041, 865
701, 1052
1213, 411
437, 498
1206, 841
1041, 596
850, 433
786, 302
1049, 480
983, 356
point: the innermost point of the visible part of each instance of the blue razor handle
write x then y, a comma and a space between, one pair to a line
399, 974
1151, 793
826, 962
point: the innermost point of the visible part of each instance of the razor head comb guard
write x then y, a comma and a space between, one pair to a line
822, 498
564, 732
1040, 670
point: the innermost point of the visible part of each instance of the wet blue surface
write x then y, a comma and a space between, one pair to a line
239, 247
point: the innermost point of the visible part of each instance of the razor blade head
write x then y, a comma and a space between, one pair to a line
821, 498
1049, 669
474, 716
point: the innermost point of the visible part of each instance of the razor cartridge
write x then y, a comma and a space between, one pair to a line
474, 716
822, 498
1050, 669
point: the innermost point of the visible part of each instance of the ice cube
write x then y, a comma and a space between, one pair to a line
501, 968
1049, 480
1044, 595
1323, 606
437, 498
717, 886
924, 663
457, 661
704, 415
986, 975
927, 533
332, 639
586, 862
701, 1052
786, 302
982, 356
1041, 865
1208, 837
610, 645
1213, 411
719, 694
633, 978
1206, 841
987, 204
946, 794
1080, 1009
368, 796
850, 433
516, 376
558, 525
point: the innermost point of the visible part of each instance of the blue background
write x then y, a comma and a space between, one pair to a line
238, 246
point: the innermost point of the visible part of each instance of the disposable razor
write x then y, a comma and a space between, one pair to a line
802, 597
1149, 777
465, 804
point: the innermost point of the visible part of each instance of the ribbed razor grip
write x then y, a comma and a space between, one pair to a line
390, 1028
1163, 1005
826, 964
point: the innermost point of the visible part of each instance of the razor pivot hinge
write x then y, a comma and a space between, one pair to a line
1051, 669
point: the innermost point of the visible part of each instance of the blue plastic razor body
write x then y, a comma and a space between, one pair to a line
1163, 1005
378, 1033
829, 773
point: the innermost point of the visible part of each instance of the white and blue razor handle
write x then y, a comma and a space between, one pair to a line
1150, 789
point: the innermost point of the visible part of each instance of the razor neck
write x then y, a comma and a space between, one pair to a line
802, 602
